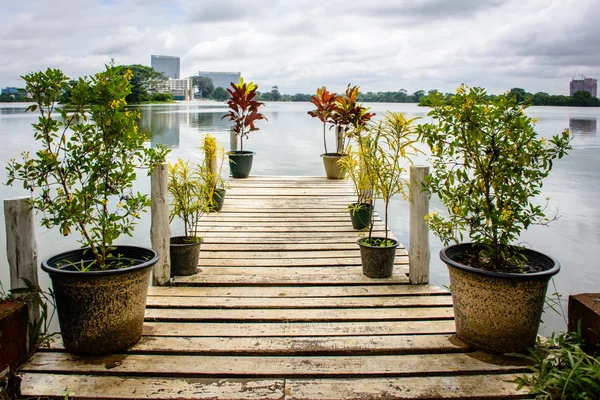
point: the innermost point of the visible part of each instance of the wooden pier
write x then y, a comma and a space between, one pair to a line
280, 309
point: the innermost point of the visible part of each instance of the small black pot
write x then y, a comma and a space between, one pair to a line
361, 215
240, 163
184, 256
377, 261
218, 199
100, 312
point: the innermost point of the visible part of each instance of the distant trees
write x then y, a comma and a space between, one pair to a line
204, 84
19, 95
144, 81
220, 94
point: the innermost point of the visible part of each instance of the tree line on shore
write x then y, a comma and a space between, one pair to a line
145, 81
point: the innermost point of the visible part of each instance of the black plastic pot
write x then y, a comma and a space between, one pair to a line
361, 215
184, 256
494, 311
218, 199
377, 261
240, 163
101, 312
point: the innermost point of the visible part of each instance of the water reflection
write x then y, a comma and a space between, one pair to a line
206, 120
10, 111
164, 127
583, 126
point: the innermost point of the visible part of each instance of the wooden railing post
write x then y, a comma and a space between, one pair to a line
418, 252
160, 230
21, 251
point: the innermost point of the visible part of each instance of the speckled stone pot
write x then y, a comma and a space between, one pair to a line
377, 262
497, 312
101, 312
332, 168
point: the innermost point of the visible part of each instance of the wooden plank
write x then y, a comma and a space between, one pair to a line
301, 345
291, 366
287, 329
306, 254
295, 302
346, 292
304, 246
288, 262
206, 229
288, 279
284, 224
113, 387
280, 240
478, 386
295, 269
279, 218
301, 315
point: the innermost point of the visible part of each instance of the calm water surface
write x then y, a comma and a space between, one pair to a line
290, 143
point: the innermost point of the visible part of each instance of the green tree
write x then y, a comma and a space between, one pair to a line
143, 80
275, 93
581, 98
520, 95
220, 94
204, 85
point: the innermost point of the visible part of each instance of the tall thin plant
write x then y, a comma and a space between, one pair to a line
243, 109
188, 192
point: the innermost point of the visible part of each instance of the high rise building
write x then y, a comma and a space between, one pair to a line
168, 65
588, 84
221, 79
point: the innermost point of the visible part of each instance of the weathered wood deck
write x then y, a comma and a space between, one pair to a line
281, 310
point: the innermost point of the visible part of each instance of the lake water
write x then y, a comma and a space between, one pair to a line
290, 143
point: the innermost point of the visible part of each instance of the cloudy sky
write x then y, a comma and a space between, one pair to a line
380, 45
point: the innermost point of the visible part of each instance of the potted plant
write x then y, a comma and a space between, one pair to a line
386, 148
188, 192
212, 171
354, 166
326, 104
349, 117
244, 114
488, 167
81, 179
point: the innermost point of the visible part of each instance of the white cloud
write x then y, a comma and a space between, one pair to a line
300, 45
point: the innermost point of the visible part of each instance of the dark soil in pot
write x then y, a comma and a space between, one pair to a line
494, 311
184, 252
377, 261
360, 214
101, 312
240, 163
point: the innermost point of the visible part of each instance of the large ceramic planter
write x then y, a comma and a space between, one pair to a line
184, 256
360, 215
101, 312
240, 163
332, 168
377, 261
218, 199
497, 312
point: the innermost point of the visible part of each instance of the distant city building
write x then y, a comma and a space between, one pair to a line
588, 84
168, 65
180, 89
221, 79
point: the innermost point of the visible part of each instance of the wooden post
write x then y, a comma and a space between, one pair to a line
160, 230
418, 251
339, 140
21, 250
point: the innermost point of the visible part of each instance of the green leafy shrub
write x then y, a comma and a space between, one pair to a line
488, 166
86, 165
562, 370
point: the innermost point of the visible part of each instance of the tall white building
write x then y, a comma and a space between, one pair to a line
180, 89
